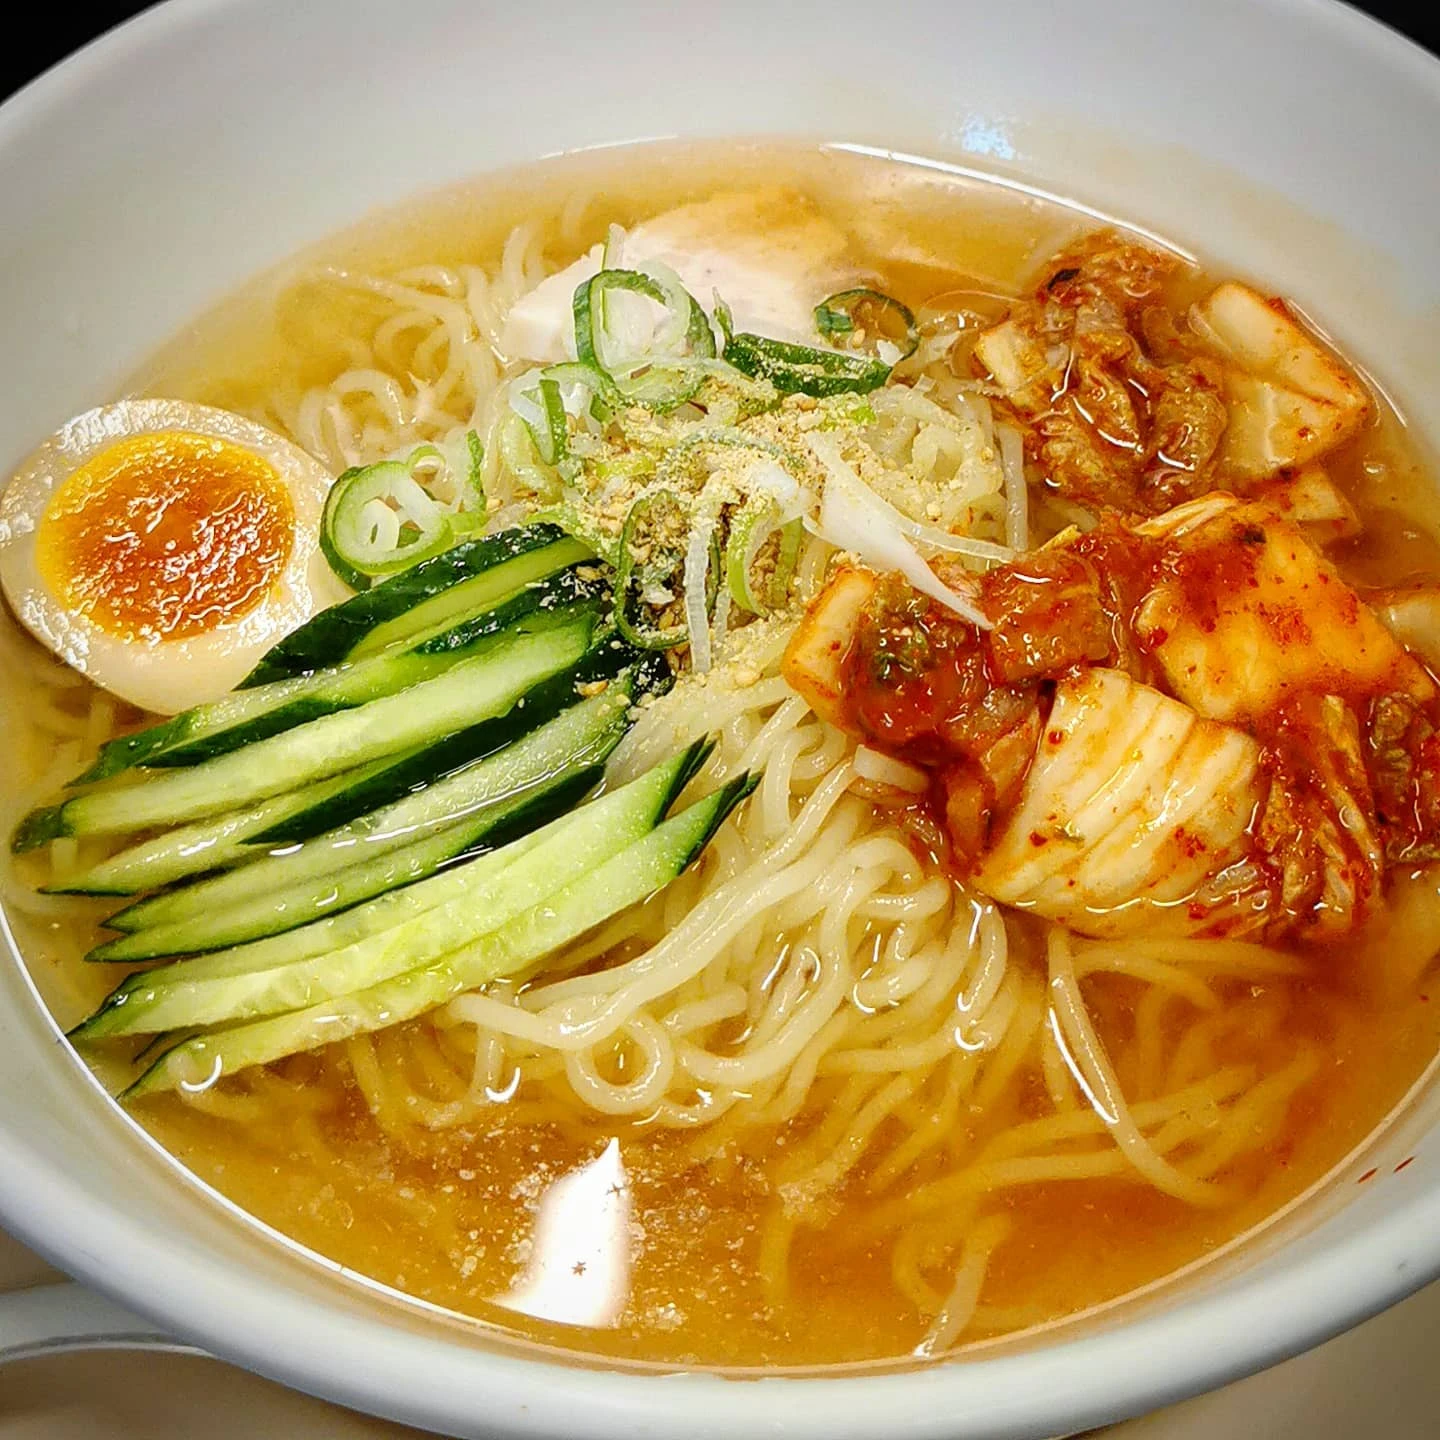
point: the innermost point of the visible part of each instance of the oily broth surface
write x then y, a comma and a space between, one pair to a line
451, 1217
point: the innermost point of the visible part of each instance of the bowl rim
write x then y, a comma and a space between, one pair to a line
299, 1340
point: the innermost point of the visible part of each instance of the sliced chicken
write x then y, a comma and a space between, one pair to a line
770, 254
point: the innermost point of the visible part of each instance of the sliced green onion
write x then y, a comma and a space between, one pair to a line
475, 453
745, 395
802, 370
684, 325
679, 331
557, 423
759, 522
536, 399
612, 257
603, 393
630, 571
567, 516
461, 460
836, 316
702, 576
641, 564
379, 520
515, 439
767, 511
724, 318
660, 385
792, 537
628, 465
678, 457
751, 526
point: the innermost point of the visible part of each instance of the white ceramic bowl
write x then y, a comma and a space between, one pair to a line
148, 175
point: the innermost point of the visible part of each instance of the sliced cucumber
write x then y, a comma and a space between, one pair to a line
428, 622
435, 763
476, 688
637, 871
334, 932
434, 594
245, 716
267, 917
211, 844
226, 840
394, 907
387, 848
482, 896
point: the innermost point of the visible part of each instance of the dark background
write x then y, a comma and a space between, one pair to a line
50, 37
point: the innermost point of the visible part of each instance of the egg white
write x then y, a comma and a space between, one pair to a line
160, 675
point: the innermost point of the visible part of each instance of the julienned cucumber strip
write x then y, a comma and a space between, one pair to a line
246, 716
360, 681
476, 688
215, 844
482, 896
272, 918
209, 844
629, 877
465, 579
554, 592
395, 907
292, 886
435, 617
333, 932
435, 763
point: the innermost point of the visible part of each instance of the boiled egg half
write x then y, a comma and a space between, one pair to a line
161, 548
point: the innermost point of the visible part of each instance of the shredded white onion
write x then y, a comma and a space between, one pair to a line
938, 539
854, 518
1017, 500
932, 536
613, 256
697, 564
722, 615
883, 769
789, 494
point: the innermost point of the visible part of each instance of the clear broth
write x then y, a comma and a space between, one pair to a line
451, 1217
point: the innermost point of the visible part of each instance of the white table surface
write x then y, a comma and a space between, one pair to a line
1381, 1381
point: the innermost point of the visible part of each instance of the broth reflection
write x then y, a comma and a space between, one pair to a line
578, 1271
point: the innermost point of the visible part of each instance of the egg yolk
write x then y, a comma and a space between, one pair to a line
166, 535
